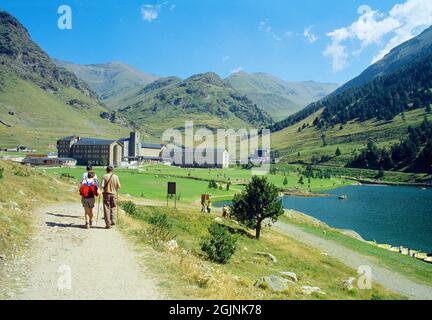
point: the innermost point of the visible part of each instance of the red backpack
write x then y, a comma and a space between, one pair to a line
85, 190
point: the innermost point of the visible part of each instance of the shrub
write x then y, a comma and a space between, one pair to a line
160, 230
1, 172
221, 244
67, 175
21, 171
129, 207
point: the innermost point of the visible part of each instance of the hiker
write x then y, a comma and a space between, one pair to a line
88, 191
209, 207
85, 174
110, 185
225, 213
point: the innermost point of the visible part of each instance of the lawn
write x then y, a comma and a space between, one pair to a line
150, 182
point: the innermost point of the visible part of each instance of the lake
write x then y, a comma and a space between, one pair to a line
387, 214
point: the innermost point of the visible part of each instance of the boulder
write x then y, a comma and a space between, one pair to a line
309, 290
218, 220
172, 245
267, 255
349, 284
275, 283
290, 276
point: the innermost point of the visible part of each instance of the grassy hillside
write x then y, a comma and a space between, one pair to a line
278, 97
23, 189
349, 138
115, 83
204, 99
40, 102
186, 272
39, 118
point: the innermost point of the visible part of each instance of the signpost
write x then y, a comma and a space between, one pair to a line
172, 191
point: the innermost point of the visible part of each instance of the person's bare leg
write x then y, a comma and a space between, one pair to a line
90, 215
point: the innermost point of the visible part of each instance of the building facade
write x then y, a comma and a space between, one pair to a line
91, 151
136, 150
202, 158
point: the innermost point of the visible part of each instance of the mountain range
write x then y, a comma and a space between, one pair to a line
278, 97
119, 85
40, 102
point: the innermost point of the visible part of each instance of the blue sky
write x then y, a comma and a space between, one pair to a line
327, 41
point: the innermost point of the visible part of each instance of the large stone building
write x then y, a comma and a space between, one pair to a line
109, 152
136, 150
91, 151
202, 158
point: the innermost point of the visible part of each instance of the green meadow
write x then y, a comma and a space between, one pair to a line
150, 182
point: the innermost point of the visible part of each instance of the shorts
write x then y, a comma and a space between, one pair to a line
88, 203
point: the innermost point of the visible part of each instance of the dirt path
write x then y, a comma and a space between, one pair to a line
391, 280
101, 263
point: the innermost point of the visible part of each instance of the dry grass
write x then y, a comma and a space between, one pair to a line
185, 273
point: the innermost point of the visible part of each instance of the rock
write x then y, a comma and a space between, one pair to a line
290, 276
349, 284
218, 220
267, 255
309, 290
172, 245
273, 282
22, 193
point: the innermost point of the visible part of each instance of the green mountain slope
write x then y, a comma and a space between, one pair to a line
40, 102
278, 97
204, 99
412, 51
116, 83
381, 110
399, 87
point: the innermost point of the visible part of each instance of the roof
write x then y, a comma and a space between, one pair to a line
67, 138
124, 139
151, 145
92, 142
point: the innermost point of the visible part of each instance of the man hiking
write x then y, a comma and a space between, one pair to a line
110, 184
88, 191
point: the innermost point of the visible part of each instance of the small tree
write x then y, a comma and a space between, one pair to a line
338, 152
428, 108
1, 173
221, 244
285, 182
258, 202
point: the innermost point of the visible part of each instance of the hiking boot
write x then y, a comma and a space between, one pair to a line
108, 227
113, 224
87, 226
91, 223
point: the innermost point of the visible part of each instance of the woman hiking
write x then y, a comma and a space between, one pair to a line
88, 191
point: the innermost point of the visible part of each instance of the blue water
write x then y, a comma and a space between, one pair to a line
393, 215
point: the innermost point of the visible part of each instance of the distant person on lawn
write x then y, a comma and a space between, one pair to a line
209, 207
110, 185
88, 191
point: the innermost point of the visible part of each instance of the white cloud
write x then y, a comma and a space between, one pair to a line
403, 22
236, 70
150, 12
309, 35
265, 27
